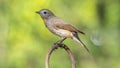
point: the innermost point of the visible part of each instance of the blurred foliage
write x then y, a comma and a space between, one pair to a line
24, 40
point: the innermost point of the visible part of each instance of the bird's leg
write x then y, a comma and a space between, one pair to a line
60, 41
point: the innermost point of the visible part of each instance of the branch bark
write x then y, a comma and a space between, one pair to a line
55, 46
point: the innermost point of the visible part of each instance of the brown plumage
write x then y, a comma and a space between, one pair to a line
69, 27
60, 27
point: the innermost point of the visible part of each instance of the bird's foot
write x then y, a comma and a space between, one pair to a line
61, 45
57, 44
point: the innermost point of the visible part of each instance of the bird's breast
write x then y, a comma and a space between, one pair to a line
62, 33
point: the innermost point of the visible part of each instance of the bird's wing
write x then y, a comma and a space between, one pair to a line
66, 26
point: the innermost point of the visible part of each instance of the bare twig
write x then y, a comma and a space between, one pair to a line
55, 46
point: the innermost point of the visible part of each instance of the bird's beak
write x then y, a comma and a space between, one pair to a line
37, 12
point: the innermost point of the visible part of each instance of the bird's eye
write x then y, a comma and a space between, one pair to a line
45, 12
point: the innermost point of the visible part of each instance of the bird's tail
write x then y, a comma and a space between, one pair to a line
77, 39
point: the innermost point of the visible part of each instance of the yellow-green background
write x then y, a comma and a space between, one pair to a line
25, 41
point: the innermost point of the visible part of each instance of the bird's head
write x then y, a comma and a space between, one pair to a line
45, 13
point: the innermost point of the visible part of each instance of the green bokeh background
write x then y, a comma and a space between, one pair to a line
25, 41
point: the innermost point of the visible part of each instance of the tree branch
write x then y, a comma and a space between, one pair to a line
55, 46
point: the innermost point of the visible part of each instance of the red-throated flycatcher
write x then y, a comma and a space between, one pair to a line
60, 27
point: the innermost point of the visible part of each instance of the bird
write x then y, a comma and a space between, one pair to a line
60, 28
